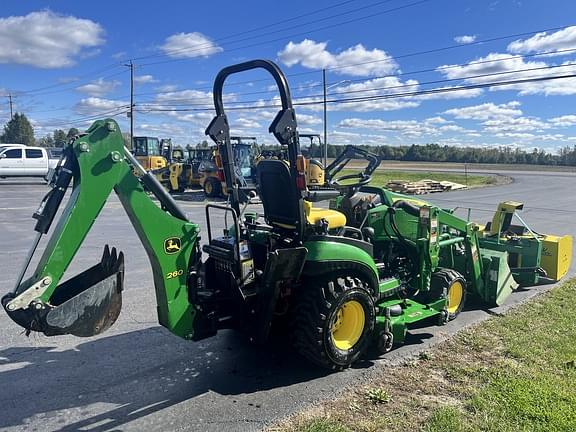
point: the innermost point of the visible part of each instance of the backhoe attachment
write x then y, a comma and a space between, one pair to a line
95, 164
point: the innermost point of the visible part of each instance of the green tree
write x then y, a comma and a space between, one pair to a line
18, 131
47, 141
59, 138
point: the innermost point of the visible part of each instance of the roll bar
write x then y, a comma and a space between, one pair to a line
284, 126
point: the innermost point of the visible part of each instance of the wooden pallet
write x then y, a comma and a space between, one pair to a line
422, 187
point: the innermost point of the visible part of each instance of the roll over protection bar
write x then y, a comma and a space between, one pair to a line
284, 126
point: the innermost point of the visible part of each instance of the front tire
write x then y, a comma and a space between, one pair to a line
334, 321
451, 284
212, 187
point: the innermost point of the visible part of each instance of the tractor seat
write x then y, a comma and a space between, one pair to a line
334, 218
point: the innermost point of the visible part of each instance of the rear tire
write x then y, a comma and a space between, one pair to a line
334, 321
212, 187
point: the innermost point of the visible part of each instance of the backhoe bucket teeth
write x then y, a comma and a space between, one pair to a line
89, 303
86, 305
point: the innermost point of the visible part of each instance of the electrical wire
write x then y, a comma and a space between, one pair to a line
203, 46
387, 96
442, 81
413, 54
416, 3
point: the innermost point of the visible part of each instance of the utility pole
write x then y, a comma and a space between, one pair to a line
325, 116
11, 110
131, 114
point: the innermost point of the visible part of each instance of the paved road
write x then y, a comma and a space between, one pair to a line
139, 377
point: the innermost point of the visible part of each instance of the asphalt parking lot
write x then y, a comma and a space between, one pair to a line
137, 376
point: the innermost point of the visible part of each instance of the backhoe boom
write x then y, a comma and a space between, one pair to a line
98, 163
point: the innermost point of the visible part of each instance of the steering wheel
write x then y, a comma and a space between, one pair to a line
362, 180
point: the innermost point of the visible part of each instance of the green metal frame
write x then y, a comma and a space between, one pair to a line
99, 152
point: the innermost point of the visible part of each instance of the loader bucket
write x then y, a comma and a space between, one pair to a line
498, 279
86, 305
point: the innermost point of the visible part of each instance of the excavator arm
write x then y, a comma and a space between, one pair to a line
96, 164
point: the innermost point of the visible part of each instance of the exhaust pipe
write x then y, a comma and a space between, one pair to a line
86, 305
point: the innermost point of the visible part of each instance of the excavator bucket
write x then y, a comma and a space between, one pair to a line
89, 303
86, 305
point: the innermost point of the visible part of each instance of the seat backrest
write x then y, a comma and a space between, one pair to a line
283, 204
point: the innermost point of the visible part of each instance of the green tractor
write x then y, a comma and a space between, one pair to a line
343, 278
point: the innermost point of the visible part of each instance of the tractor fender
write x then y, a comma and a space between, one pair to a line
328, 257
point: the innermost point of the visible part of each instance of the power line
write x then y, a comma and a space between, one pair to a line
442, 81
400, 74
109, 113
305, 32
77, 82
73, 87
271, 25
413, 54
387, 96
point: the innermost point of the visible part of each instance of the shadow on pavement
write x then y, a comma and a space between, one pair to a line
141, 372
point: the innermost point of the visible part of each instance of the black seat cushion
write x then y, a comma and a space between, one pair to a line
281, 200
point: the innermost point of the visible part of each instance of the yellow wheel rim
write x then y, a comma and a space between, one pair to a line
348, 325
455, 295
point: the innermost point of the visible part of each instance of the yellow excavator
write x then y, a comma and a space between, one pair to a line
148, 152
203, 168
315, 176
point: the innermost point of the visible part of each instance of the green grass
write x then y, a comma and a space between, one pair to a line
511, 373
381, 177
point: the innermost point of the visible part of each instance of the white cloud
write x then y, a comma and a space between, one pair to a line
189, 45
99, 87
308, 120
244, 123
95, 105
563, 121
514, 125
192, 96
465, 39
486, 111
144, 79
546, 42
167, 88
437, 120
373, 87
411, 128
491, 64
506, 67
313, 55
47, 40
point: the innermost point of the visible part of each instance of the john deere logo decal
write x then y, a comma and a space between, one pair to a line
172, 245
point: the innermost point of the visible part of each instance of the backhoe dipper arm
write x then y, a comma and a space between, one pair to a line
352, 152
89, 303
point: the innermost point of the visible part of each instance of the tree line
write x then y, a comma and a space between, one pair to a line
444, 153
19, 131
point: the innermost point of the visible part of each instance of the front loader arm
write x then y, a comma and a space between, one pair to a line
90, 302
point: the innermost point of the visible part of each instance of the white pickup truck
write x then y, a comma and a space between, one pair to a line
23, 161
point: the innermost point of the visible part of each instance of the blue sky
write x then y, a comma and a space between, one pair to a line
63, 63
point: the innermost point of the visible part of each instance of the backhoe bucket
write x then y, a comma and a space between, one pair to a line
86, 305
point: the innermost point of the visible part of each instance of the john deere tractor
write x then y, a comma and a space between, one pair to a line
341, 278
